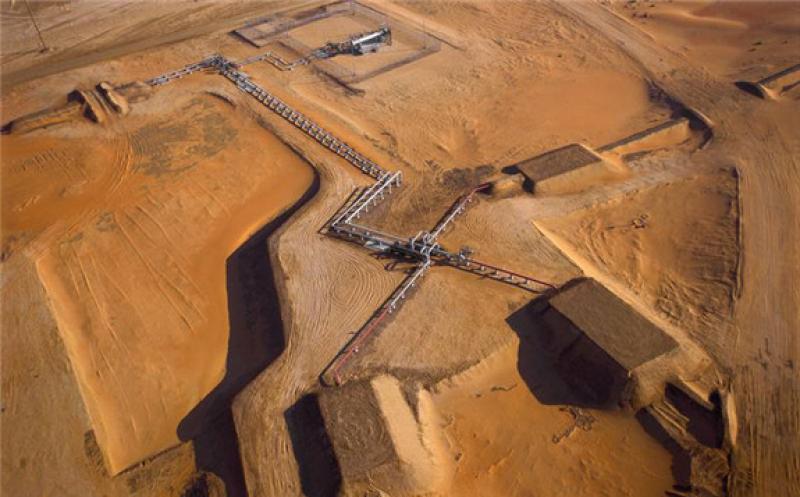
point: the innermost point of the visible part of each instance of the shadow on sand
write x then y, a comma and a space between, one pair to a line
561, 366
558, 364
320, 475
255, 340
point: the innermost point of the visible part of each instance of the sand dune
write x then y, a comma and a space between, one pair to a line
170, 296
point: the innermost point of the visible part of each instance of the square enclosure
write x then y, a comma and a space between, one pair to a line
303, 31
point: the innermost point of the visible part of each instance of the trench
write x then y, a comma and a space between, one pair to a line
256, 339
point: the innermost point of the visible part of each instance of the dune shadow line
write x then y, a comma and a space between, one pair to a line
320, 474
256, 338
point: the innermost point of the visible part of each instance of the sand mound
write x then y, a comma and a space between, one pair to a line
381, 444
129, 226
683, 255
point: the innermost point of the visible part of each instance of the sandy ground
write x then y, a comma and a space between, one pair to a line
81, 33
530, 448
141, 223
767, 195
732, 40
643, 240
120, 253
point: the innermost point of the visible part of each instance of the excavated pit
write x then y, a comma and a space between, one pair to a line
694, 435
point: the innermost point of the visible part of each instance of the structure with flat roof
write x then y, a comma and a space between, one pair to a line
564, 170
602, 343
380, 444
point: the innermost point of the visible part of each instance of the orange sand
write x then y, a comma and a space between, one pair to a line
506, 442
134, 256
115, 237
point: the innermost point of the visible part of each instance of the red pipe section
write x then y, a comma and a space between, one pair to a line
369, 328
510, 273
353, 346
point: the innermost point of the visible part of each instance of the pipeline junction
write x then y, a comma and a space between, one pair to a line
423, 248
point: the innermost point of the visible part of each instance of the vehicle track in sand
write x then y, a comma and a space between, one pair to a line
348, 292
518, 239
760, 357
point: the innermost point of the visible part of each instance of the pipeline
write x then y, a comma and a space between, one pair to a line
352, 348
423, 247
230, 69
278, 61
499, 274
457, 208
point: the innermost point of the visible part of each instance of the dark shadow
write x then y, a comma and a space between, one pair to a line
705, 425
512, 169
681, 459
751, 88
323, 230
320, 475
256, 339
216, 450
559, 364
697, 123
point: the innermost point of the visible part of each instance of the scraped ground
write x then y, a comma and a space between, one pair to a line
130, 230
115, 239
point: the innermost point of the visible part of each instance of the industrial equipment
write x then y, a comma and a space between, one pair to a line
358, 44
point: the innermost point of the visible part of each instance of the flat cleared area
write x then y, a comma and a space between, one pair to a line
404, 45
171, 294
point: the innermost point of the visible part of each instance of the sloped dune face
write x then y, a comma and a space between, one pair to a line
133, 235
682, 258
726, 38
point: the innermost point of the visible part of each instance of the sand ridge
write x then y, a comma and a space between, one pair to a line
151, 232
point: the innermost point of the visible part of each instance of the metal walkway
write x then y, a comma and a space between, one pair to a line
185, 71
422, 248
278, 61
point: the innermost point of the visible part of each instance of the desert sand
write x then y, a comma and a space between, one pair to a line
172, 297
